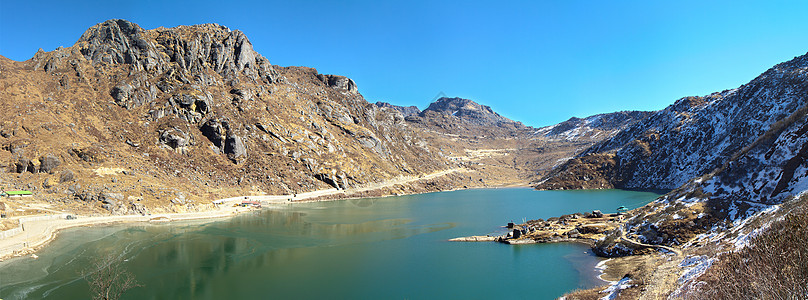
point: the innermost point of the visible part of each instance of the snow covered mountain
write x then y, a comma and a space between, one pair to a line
600, 126
692, 137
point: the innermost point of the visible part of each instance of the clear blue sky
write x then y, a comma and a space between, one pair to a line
539, 62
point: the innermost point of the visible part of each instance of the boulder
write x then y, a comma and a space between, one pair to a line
176, 139
138, 208
48, 163
110, 198
215, 131
180, 199
21, 165
50, 182
67, 175
33, 166
234, 148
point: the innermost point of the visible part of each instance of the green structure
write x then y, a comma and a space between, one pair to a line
17, 193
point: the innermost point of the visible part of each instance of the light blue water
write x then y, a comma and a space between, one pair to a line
387, 248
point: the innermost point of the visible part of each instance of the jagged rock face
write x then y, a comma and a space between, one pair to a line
190, 48
693, 136
405, 111
339, 82
117, 42
216, 132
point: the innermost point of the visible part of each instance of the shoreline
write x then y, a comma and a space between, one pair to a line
39, 233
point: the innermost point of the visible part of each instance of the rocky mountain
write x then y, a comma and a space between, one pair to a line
737, 162
466, 117
129, 120
466, 110
170, 118
692, 137
733, 158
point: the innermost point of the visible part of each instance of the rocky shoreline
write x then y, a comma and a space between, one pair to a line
586, 228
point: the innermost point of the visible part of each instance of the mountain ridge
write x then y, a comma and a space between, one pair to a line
643, 155
176, 116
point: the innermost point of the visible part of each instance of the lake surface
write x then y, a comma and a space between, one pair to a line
380, 248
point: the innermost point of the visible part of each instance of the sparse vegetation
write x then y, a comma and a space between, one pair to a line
108, 279
773, 266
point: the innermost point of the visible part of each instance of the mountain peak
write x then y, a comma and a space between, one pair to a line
193, 48
466, 110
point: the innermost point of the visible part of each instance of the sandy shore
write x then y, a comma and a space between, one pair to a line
37, 233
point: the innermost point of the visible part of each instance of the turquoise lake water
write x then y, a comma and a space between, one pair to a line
381, 248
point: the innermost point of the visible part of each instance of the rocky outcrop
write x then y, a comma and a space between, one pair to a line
341, 83
134, 92
405, 111
175, 139
234, 148
216, 132
189, 49
44, 164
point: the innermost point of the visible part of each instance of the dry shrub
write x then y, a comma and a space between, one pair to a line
587, 294
107, 277
773, 266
